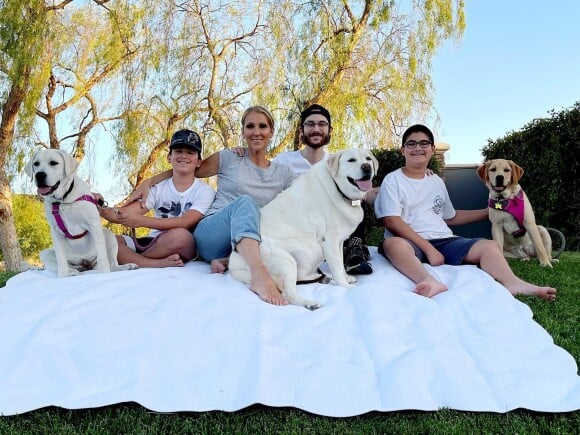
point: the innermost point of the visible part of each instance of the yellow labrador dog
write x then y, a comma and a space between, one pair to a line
79, 241
513, 224
308, 223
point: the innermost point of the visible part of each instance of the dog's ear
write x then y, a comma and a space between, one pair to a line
482, 172
517, 172
28, 167
332, 163
70, 163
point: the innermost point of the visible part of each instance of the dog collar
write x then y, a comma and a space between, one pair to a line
513, 206
60, 222
353, 202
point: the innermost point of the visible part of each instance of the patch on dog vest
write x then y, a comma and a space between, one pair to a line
514, 206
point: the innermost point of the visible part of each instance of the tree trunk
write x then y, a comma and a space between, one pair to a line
8, 239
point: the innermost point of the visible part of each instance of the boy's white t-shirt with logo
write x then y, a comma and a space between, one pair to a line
167, 202
422, 204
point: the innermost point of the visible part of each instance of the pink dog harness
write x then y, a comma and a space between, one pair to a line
60, 222
514, 206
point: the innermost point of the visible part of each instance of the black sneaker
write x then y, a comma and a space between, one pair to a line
356, 257
363, 268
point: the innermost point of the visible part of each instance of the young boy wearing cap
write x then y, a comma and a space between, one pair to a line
315, 131
178, 204
416, 210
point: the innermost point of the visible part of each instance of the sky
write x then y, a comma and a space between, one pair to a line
517, 60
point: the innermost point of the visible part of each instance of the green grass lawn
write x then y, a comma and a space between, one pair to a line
560, 319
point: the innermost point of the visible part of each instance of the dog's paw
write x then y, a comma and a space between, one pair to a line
546, 264
312, 305
351, 279
70, 272
128, 266
342, 283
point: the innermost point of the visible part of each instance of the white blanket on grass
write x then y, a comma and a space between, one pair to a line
181, 339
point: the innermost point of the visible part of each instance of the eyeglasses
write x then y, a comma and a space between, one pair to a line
312, 124
412, 144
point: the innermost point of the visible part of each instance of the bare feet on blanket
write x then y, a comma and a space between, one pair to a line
263, 285
219, 265
173, 260
430, 287
521, 287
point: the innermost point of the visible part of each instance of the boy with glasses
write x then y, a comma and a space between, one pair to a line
416, 210
315, 131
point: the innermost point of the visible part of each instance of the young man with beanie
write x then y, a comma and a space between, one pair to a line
178, 204
315, 132
416, 210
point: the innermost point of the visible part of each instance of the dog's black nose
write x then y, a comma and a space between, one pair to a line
40, 178
499, 180
366, 168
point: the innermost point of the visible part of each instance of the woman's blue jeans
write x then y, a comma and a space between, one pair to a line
217, 234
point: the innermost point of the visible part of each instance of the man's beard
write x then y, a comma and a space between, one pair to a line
306, 141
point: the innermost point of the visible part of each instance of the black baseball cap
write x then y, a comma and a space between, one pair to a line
185, 139
315, 109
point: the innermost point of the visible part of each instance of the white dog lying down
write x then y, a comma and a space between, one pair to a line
80, 242
507, 200
308, 223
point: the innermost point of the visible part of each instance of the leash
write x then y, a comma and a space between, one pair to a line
60, 222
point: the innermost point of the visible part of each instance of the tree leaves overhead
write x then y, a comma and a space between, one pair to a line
199, 64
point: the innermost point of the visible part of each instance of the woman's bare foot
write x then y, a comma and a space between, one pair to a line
219, 265
525, 288
263, 285
430, 287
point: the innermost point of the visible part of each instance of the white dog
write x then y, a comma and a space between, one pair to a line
308, 223
513, 224
80, 242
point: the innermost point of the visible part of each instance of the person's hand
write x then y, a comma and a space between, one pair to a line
371, 195
111, 214
240, 151
99, 199
129, 220
139, 194
434, 257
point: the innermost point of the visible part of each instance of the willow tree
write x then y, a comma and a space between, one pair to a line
32, 38
24, 42
191, 73
368, 61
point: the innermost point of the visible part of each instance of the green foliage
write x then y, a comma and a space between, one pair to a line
31, 225
549, 151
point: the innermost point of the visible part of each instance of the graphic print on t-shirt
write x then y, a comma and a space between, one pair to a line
437, 204
174, 210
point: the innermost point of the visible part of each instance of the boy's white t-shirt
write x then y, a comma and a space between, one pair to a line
296, 161
167, 202
422, 204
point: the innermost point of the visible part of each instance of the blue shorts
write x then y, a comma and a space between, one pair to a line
453, 249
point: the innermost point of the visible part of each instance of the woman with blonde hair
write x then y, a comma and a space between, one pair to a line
244, 185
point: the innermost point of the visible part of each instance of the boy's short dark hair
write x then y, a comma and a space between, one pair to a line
417, 128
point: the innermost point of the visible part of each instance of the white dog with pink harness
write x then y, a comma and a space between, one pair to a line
79, 240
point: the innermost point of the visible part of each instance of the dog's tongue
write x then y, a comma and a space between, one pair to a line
364, 185
43, 190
